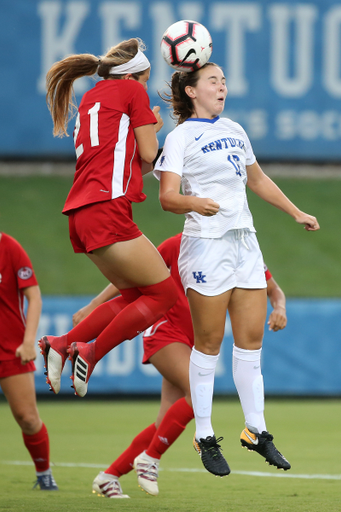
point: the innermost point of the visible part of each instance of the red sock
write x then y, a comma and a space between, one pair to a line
172, 425
124, 463
101, 317
154, 302
39, 448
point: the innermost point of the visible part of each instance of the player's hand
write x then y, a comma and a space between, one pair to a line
205, 206
26, 352
310, 223
278, 319
82, 313
159, 124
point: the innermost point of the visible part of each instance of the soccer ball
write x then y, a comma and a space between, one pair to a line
186, 45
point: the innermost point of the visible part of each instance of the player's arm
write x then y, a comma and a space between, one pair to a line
172, 201
266, 189
146, 139
108, 293
278, 317
146, 168
26, 351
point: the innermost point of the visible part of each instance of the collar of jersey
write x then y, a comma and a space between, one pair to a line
203, 120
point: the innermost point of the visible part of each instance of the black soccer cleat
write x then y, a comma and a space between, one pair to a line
211, 456
262, 444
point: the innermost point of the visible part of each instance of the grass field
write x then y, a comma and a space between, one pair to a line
305, 264
86, 436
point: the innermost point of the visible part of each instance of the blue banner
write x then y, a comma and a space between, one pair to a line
282, 62
303, 359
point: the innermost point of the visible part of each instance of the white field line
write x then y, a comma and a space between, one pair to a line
278, 474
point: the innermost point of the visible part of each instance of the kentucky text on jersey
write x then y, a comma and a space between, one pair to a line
225, 143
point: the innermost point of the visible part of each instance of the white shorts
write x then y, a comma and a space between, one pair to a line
212, 266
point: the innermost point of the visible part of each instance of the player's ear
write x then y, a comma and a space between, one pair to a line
128, 76
190, 91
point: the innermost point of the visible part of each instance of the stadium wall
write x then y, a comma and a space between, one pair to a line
281, 60
301, 360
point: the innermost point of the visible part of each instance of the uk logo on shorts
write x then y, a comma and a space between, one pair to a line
200, 278
25, 273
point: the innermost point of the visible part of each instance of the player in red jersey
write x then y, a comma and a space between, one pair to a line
167, 345
17, 352
115, 142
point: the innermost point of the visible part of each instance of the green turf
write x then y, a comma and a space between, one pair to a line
305, 264
86, 432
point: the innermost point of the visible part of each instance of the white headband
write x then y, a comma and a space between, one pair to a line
136, 64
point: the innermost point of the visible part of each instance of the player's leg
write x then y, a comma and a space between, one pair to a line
247, 310
55, 348
172, 361
19, 391
134, 262
106, 483
148, 291
208, 315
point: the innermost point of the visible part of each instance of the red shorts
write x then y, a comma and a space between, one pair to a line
14, 367
100, 224
161, 334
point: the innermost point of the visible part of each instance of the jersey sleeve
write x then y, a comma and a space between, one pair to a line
250, 157
172, 156
140, 111
22, 266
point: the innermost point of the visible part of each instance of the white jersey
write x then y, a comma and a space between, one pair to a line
211, 156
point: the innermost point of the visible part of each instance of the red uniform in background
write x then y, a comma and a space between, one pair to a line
17, 280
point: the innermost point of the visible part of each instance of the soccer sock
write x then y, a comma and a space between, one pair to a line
124, 463
154, 302
201, 378
101, 317
172, 425
248, 380
39, 448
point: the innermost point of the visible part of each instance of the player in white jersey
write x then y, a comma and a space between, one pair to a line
220, 263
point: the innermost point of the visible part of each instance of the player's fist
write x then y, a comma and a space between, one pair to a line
205, 206
159, 124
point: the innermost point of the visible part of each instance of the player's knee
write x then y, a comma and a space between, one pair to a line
170, 293
209, 344
28, 421
165, 293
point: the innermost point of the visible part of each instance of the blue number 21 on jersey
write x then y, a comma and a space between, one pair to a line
234, 159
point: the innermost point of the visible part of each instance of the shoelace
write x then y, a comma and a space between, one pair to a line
267, 436
213, 445
150, 471
111, 488
47, 480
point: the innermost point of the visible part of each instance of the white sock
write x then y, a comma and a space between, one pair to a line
248, 379
46, 472
148, 458
201, 379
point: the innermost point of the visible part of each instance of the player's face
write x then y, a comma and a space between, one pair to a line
208, 96
143, 79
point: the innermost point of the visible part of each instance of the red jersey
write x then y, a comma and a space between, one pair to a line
179, 315
16, 273
108, 161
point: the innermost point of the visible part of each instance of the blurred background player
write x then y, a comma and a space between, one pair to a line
220, 262
167, 345
17, 352
115, 142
